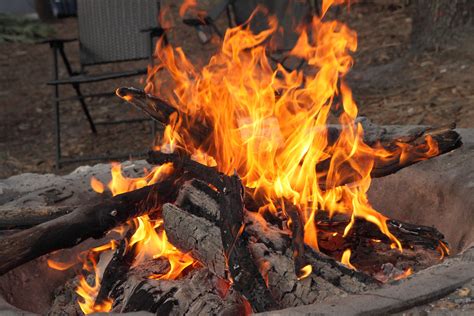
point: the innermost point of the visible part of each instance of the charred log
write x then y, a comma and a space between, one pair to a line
192, 224
297, 240
91, 221
116, 272
197, 129
199, 293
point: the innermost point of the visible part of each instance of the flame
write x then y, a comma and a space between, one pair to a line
187, 4
405, 274
150, 244
270, 124
443, 249
121, 184
60, 266
345, 260
146, 241
97, 186
305, 271
88, 292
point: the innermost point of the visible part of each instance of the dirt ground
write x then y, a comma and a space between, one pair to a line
391, 86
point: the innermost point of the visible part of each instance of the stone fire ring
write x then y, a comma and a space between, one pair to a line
437, 192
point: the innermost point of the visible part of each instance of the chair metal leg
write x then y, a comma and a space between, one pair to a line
84, 108
78, 90
57, 122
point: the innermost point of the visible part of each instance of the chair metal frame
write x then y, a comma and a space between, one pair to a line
76, 78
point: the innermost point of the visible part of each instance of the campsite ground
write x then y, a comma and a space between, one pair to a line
391, 86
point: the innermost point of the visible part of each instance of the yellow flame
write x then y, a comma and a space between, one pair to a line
270, 124
305, 272
88, 292
345, 260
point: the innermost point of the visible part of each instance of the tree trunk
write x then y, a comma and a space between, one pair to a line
437, 22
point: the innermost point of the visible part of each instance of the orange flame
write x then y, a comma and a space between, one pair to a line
187, 4
150, 244
270, 124
405, 274
97, 186
60, 266
345, 260
88, 292
121, 184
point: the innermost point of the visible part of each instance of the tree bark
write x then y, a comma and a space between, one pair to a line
437, 22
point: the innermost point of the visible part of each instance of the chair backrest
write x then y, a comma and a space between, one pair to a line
109, 30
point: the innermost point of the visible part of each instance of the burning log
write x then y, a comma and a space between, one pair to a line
193, 226
164, 113
297, 242
415, 141
91, 221
199, 293
247, 279
116, 272
445, 137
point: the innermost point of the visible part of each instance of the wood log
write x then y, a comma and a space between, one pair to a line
90, 221
197, 128
297, 240
189, 234
116, 271
153, 106
445, 138
25, 217
415, 146
243, 270
198, 293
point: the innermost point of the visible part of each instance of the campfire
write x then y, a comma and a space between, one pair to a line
258, 198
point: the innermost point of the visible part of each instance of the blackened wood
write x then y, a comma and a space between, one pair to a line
297, 239
445, 137
155, 107
182, 162
196, 197
83, 223
247, 279
245, 274
197, 236
25, 217
408, 234
199, 293
193, 129
116, 271
271, 250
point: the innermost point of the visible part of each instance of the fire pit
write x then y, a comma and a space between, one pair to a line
255, 200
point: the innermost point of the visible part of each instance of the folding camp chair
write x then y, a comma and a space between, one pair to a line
109, 31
